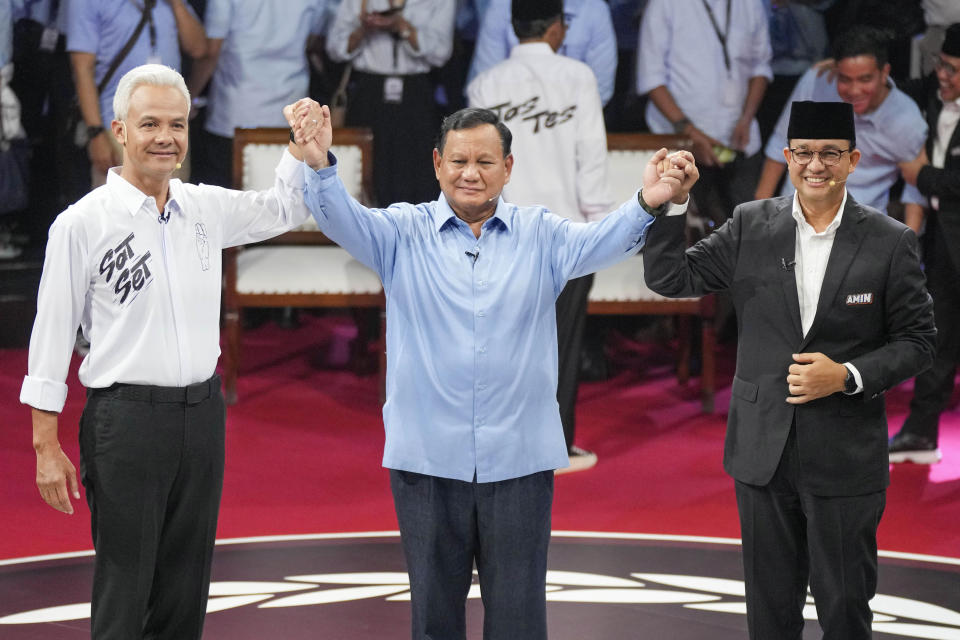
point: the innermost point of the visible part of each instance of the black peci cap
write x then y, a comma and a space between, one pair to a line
530, 10
822, 121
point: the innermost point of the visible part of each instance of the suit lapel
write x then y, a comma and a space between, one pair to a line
784, 247
845, 247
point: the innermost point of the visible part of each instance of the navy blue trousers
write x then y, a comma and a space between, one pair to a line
504, 527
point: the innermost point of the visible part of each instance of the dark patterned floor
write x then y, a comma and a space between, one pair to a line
355, 587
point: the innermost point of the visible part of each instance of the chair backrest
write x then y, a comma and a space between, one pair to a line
257, 151
627, 155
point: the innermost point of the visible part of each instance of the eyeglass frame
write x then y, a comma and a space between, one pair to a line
819, 154
939, 64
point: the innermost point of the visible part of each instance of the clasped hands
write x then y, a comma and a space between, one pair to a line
312, 130
669, 177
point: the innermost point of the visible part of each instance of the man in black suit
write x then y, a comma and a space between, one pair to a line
939, 180
832, 313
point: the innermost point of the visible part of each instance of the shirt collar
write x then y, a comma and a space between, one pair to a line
525, 49
802, 222
952, 105
443, 213
133, 199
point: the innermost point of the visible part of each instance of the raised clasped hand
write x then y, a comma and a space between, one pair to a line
669, 177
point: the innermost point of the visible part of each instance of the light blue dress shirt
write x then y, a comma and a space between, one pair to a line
472, 342
590, 39
894, 132
6, 32
262, 66
679, 49
102, 27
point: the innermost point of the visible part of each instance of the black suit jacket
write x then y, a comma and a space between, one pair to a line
874, 311
943, 183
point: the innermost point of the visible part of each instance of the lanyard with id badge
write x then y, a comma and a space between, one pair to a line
393, 85
731, 95
154, 57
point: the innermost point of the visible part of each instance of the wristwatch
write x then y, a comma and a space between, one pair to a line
680, 125
654, 211
849, 383
93, 130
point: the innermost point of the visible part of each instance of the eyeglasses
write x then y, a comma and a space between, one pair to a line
939, 64
829, 157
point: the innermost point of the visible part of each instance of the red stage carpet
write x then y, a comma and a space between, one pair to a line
305, 441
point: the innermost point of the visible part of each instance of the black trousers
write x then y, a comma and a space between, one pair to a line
720, 189
792, 538
447, 525
571, 321
151, 460
212, 158
932, 388
403, 136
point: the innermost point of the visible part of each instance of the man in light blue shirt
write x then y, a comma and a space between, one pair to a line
706, 64
590, 39
890, 128
473, 431
256, 57
97, 30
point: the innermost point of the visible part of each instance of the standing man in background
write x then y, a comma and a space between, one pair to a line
938, 179
553, 108
705, 65
97, 31
590, 38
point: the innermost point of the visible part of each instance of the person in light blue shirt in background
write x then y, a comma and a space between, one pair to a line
473, 431
890, 128
590, 39
97, 30
256, 57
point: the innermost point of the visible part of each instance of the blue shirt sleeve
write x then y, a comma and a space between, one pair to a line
217, 19
369, 235
601, 55
83, 26
493, 44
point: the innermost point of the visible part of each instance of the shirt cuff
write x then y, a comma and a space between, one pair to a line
43, 394
288, 169
856, 377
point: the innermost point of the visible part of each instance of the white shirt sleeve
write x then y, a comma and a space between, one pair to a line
60, 305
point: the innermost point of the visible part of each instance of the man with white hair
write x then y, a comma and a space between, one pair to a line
136, 264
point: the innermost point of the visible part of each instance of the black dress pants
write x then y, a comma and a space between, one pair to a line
792, 538
151, 460
932, 388
571, 321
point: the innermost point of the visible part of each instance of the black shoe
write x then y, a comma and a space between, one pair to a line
907, 447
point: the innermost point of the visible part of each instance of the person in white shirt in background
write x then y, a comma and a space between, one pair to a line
136, 264
552, 105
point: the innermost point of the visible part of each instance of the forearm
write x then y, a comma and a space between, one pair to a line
769, 179
913, 215
755, 90
45, 438
204, 67
663, 100
193, 38
87, 97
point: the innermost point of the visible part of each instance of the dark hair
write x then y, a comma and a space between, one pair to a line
863, 40
474, 117
532, 29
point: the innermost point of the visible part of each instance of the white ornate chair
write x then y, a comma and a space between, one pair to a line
621, 289
301, 268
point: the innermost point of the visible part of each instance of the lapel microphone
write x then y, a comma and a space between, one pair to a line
834, 183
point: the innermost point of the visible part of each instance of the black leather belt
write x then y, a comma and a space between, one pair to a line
189, 395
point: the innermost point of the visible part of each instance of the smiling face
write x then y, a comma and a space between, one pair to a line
472, 171
862, 83
812, 180
154, 133
948, 76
